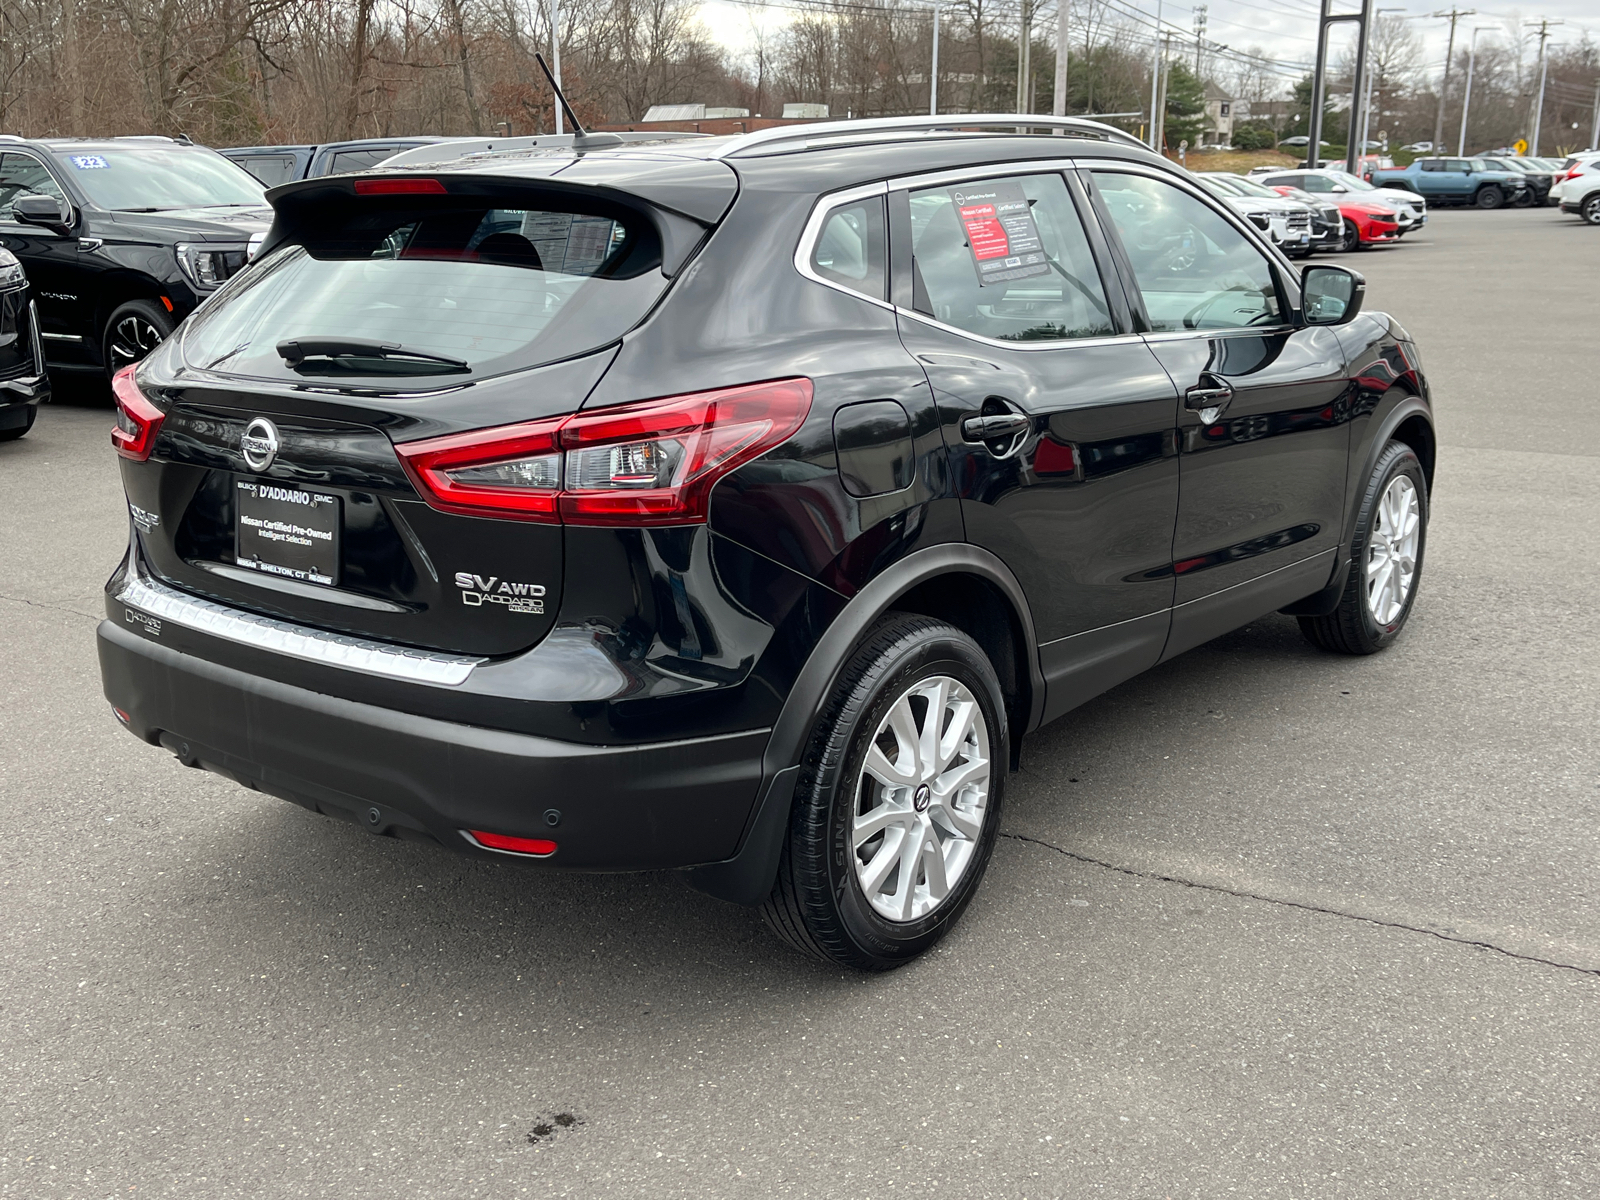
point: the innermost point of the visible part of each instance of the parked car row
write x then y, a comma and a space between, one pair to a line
1357, 214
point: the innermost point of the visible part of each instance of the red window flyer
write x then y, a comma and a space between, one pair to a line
1001, 232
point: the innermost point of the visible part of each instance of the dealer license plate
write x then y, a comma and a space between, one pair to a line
287, 531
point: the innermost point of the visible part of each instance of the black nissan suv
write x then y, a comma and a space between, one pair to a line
122, 238
737, 505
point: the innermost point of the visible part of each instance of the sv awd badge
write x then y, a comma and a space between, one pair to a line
517, 597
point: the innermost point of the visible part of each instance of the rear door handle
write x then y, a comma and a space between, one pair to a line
994, 426
1209, 398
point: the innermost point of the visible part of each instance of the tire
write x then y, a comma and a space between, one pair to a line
1489, 198
1590, 211
1525, 199
1366, 623
131, 332
11, 435
1352, 238
830, 898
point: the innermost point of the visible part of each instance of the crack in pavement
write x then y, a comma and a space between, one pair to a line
51, 607
1302, 905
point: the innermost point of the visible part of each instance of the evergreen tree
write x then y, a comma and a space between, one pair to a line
1186, 105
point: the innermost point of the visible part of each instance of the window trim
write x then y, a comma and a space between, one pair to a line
904, 184
1284, 275
825, 208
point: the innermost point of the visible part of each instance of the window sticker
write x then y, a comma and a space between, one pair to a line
1000, 231
89, 162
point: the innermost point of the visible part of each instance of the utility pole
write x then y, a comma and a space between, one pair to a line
1594, 125
1444, 86
1544, 71
1163, 68
1155, 82
1024, 53
933, 78
1058, 106
1466, 100
1200, 18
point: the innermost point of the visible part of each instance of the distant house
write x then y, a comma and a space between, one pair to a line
692, 112
1217, 127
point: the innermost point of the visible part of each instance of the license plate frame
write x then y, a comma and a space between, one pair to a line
286, 531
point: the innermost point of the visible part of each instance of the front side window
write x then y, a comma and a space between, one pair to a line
849, 250
22, 175
1193, 268
156, 178
1006, 259
438, 290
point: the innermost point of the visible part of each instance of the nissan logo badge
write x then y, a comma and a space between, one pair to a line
260, 444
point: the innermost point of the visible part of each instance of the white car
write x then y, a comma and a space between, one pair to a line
1286, 222
1577, 189
1410, 209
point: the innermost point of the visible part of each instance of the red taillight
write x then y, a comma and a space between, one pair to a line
542, 847
138, 420
511, 471
651, 463
399, 187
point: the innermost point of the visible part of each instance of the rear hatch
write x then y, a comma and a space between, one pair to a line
403, 313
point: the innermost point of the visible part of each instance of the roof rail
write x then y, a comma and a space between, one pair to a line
883, 129
12, 137
454, 149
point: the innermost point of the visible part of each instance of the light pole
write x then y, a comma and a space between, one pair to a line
1155, 81
1059, 104
1466, 100
555, 51
933, 82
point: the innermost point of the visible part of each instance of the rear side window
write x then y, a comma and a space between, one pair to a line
270, 169
1006, 259
359, 160
445, 290
849, 250
1433, 164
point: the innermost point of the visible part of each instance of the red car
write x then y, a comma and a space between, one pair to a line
1366, 222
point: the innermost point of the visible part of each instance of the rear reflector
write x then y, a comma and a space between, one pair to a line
138, 421
541, 847
399, 187
651, 463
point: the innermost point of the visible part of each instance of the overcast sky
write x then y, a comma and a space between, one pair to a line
1284, 29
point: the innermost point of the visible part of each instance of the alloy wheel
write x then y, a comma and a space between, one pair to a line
1392, 550
921, 799
131, 339
1591, 210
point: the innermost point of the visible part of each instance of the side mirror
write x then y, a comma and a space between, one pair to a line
36, 209
1331, 295
1339, 187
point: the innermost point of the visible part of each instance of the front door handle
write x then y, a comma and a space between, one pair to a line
995, 426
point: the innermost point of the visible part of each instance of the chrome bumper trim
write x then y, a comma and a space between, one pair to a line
297, 641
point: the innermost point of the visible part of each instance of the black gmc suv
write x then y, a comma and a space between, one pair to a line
738, 505
122, 238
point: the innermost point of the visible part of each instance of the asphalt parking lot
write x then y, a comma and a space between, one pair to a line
1264, 922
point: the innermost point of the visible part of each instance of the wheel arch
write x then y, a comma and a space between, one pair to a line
957, 582
119, 290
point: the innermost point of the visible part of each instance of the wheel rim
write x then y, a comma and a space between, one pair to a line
921, 799
132, 338
1392, 550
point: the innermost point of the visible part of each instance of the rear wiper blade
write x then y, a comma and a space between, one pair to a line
297, 350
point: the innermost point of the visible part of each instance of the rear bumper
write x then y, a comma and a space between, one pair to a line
644, 807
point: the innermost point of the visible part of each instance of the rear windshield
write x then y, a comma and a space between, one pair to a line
445, 291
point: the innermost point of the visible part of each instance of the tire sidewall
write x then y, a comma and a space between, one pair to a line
1489, 197
144, 308
1398, 459
872, 934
